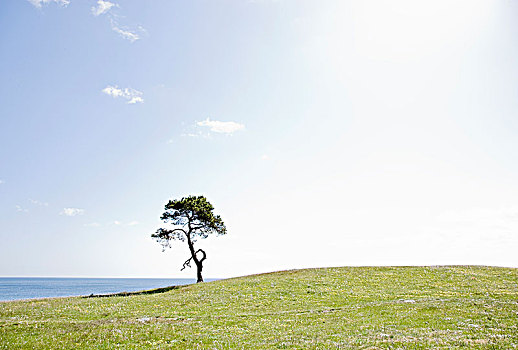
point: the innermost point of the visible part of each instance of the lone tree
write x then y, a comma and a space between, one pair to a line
191, 218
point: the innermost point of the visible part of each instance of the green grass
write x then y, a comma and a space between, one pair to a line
349, 307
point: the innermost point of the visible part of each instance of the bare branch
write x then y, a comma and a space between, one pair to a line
187, 263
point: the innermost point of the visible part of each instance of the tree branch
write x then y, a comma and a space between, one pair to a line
187, 263
179, 229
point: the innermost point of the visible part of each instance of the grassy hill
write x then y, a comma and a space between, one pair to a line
347, 307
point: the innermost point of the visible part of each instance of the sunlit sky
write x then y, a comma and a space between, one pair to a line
325, 133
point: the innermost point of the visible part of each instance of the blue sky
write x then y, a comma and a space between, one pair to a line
324, 133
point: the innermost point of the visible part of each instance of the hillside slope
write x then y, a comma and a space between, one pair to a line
358, 307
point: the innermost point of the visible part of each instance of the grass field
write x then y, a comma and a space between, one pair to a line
349, 307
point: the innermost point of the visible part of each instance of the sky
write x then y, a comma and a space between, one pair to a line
325, 133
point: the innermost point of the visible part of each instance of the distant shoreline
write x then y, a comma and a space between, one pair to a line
37, 288
120, 294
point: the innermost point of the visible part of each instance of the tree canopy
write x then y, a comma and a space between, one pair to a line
190, 218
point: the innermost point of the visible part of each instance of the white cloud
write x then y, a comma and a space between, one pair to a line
20, 209
221, 127
72, 211
265, 157
39, 3
36, 202
126, 34
2, 182
133, 223
131, 95
136, 99
102, 7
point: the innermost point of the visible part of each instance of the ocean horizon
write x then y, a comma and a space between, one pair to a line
16, 288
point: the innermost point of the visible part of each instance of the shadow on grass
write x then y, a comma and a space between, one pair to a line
127, 294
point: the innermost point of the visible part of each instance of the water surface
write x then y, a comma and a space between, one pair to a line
12, 288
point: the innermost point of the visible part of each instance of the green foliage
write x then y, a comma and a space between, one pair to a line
190, 217
455, 307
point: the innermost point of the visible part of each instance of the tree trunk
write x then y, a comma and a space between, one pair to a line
194, 257
199, 267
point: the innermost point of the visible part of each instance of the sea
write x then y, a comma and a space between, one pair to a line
14, 288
